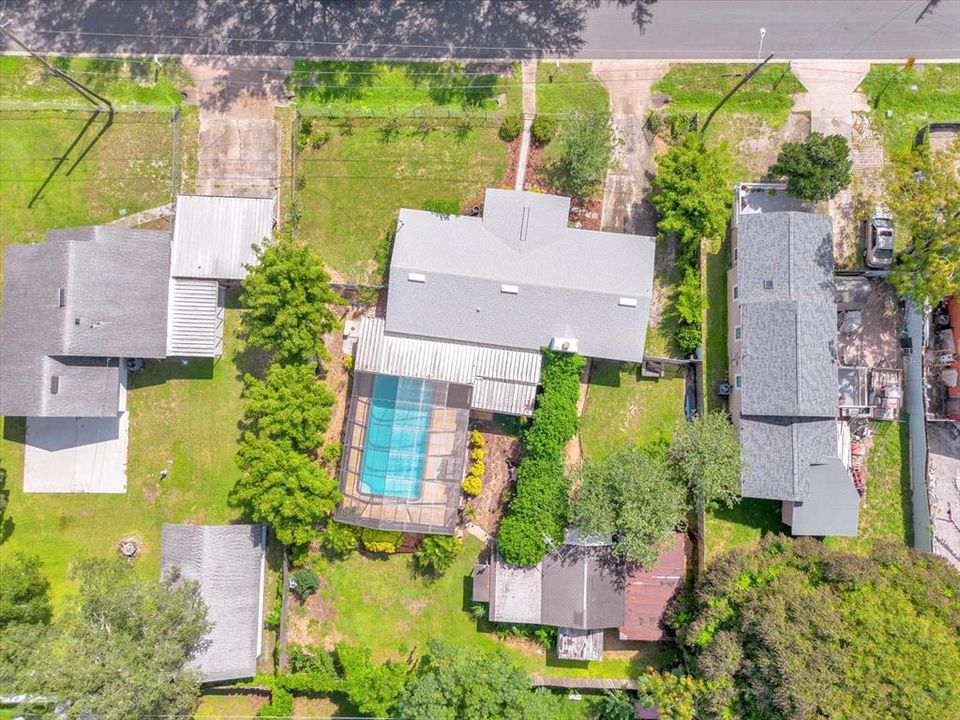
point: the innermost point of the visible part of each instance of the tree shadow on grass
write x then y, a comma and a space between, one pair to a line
762, 515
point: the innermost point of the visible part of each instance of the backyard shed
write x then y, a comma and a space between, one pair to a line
228, 562
647, 592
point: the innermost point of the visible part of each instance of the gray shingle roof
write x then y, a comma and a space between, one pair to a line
228, 563
832, 506
778, 452
789, 330
568, 282
213, 236
113, 304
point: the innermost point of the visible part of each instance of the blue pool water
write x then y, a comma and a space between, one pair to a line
396, 443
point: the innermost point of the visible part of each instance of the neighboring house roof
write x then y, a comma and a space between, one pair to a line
213, 237
503, 380
832, 507
647, 593
519, 277
228, 563
74, 305
575, 587
788, 349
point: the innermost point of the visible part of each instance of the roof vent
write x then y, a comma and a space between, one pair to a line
564, 344
61, 297
416, 277
768, 284
54, 384
628, 302
510, 289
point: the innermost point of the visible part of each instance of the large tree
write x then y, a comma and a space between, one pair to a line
24, 592
791, 630
288, 298
290, 404
283, 488
586, 142
706, 458
923, 188
692, 194
817, 168
120, 651
631, 495
464, 683
372, 689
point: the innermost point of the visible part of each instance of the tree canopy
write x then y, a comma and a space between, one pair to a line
287, 297
923, 188
24, 592
121, 648
692, 193
586, 142
817, 168
373, 689
283, 488
791, 630
631, 495
706, 457
288, 404
464, 683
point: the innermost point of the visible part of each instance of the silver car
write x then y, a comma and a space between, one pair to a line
877, 236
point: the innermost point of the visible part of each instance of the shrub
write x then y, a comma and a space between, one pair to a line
477, 440
688, 338
339, 540
380, 541
585, 146
318, 140
348, 362
510, 128
436, 553
655, 121
331, 454
442, 207
472, 485
543, 129
304, 583
679, 125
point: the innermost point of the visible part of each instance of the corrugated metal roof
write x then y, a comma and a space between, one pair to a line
504, 380
213, 237
228, 563
195, 320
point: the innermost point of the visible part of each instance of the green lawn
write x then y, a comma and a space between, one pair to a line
568, 88
338, 87
127, 169
890, 88
181, 419
352, 188
623, 409
124, 81
378, 603
697, 87
743, 524
887, 513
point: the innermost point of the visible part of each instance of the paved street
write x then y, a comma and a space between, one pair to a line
593, 29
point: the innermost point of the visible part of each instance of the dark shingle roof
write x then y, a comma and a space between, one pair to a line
227, 562
832, 506
569, 282
113, 304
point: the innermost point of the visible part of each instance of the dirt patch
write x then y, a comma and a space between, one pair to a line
584, 213
760, 144
337, 379
313, 620
503, 454
510, 179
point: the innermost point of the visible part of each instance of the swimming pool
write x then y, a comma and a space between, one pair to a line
398, 426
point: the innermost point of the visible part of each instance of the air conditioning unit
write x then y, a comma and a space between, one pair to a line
564, 344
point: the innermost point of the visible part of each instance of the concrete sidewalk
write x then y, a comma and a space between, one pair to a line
831, 97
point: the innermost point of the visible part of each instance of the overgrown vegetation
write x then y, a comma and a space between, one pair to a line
436, 553
583, 154
924, 194
790, 627
816, 169
536, 516
380, 541
705, 455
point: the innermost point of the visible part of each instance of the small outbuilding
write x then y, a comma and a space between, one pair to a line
228, 561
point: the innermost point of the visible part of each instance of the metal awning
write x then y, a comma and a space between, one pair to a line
195, 318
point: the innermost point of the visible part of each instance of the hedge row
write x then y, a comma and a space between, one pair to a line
537, 515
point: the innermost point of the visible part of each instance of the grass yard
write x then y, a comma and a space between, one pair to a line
182, 419
623, 409
743, 524
122, 80
888, 511
379, 604
715, 361
127, 170
391, 135
890, 88
697, 87
568, 88
228, 706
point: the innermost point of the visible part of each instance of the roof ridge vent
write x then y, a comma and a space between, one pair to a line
524, 222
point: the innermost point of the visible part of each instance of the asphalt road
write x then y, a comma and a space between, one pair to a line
595, 29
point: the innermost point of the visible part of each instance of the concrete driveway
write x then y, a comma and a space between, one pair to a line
76, 455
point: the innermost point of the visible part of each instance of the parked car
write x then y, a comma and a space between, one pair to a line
877, 234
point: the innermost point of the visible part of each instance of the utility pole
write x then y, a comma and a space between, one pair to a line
98, 101
743, 81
